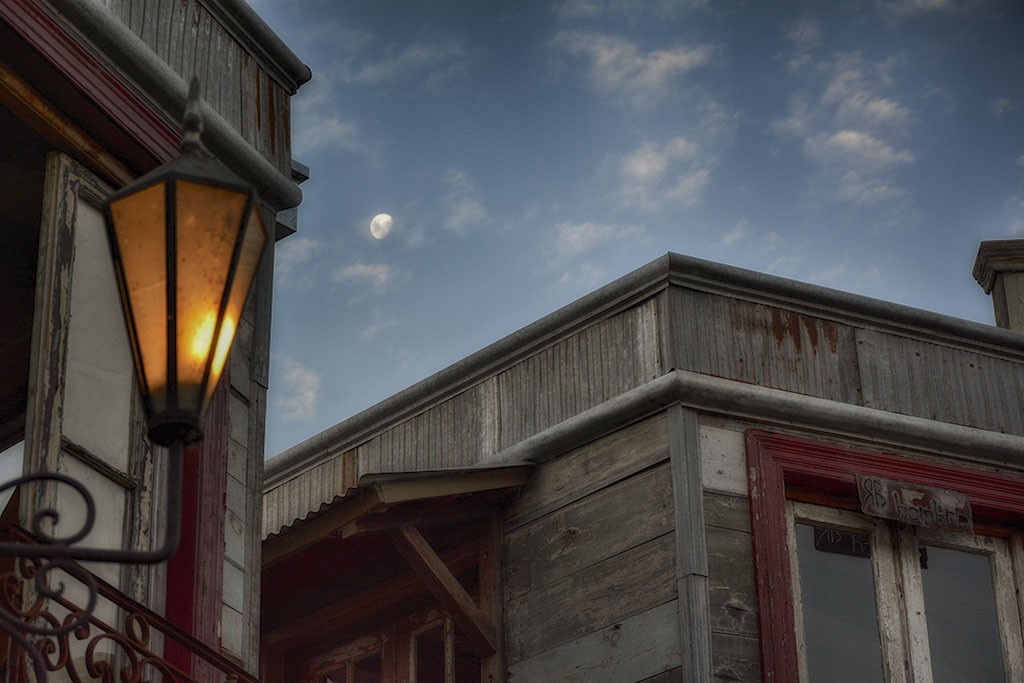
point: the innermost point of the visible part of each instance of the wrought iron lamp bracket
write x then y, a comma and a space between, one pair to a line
50, 553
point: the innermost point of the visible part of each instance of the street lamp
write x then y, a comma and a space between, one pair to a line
186, 240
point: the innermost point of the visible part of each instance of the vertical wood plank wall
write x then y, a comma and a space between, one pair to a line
868, 363
578, 372
238, 84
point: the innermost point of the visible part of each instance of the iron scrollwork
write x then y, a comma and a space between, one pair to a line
49, 557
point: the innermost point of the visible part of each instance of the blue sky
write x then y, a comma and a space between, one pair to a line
531, 152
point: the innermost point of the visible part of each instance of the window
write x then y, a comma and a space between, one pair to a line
849, 597
425, 647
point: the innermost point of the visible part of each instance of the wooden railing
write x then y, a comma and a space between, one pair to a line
94, 650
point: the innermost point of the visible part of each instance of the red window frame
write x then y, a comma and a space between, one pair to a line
782, 467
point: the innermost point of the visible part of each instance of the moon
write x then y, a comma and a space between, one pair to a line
380, 226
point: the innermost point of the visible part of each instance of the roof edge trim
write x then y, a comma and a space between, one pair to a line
167, 89
257, 35
769, 407
670, 269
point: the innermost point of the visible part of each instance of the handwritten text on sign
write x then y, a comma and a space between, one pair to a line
915, 504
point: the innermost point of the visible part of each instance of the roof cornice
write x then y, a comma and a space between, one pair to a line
669, 270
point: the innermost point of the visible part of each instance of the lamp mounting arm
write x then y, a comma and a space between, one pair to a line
50, 546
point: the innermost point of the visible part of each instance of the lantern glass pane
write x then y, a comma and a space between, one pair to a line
254, 239
139, 232
208, 222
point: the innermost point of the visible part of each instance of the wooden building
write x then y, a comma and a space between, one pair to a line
91, 96
696, 473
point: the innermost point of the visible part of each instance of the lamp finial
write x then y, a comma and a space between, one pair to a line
192, 121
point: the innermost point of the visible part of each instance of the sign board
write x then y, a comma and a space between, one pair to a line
852, 543
914, 504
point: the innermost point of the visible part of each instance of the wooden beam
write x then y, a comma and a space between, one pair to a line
492, 595
46, 120
328, 523
477, 627
691, 544
430, 513
374, 599
402, 487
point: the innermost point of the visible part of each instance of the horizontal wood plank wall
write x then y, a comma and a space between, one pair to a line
579, 372
731, 591
192, 41
590, 591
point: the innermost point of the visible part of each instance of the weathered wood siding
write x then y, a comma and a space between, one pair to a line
731, 590
247, 401
763, 345
914, 377
577, 372
836, 357
732, 593
243, 86
590, 590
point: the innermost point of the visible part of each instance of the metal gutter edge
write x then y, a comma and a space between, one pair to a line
783, 408
464, 373
133, 56
239, 13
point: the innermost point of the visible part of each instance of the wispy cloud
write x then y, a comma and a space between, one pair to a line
463, 209
351, 58
575, 238
1002, 106
429, 64
376, 275
630, 9
739, 233
898, 9
617, 65
577, 247
852, 130
856, 149
292, 263
656, 174
805, 34
323, 127
380, 323
579, 9
298, 391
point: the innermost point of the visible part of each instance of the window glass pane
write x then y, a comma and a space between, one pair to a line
430, 656
837, 590
467, 664
367, 670
963, 633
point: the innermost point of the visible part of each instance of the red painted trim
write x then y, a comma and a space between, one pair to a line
181, 574
781, 467
96, 79
195, 576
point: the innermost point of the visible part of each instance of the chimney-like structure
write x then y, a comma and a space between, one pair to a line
999, 269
